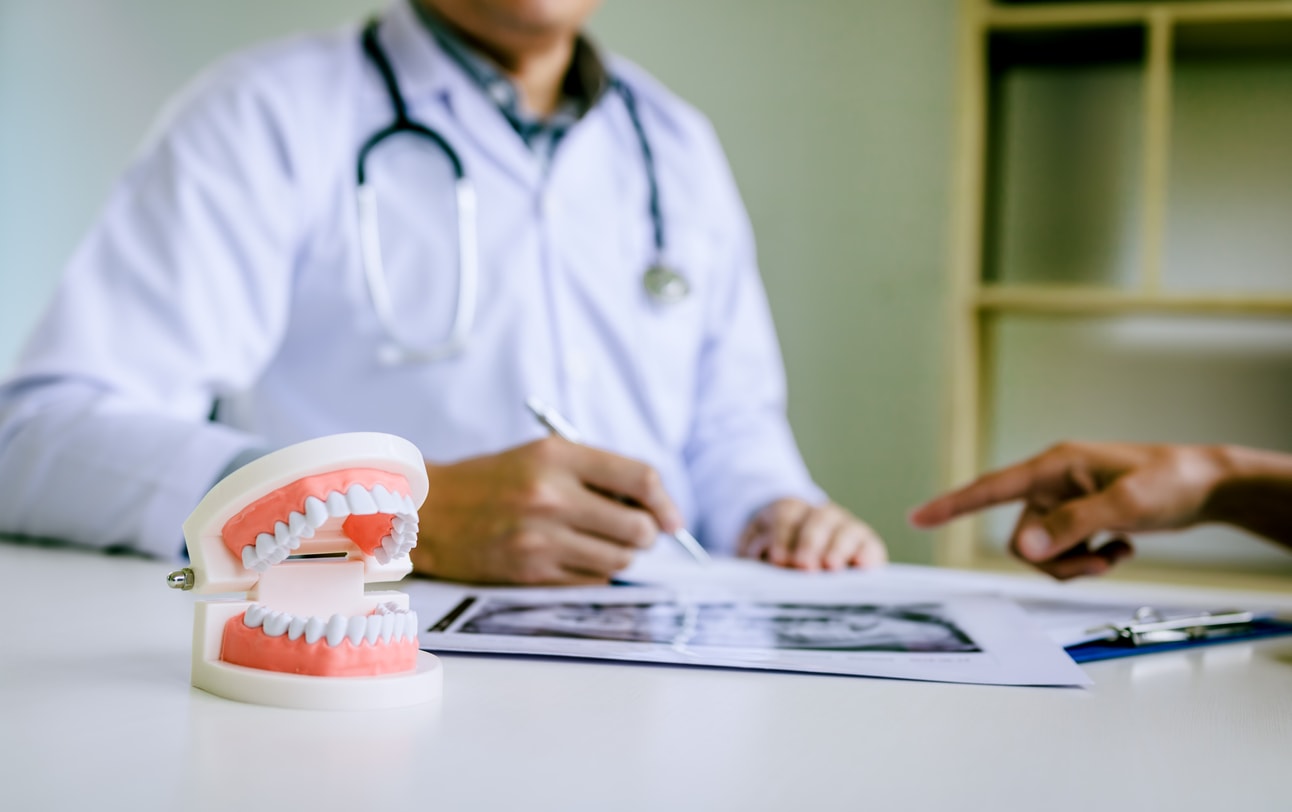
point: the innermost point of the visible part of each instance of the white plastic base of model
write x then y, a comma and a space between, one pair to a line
213, 675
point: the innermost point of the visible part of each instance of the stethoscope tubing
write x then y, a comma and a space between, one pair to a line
399, 351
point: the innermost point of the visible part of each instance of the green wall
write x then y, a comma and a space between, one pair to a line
836, 115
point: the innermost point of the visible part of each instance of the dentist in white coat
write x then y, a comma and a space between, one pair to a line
220, 307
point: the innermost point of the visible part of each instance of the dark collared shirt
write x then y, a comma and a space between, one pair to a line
584, 83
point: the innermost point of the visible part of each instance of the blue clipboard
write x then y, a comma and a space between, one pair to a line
1128, 645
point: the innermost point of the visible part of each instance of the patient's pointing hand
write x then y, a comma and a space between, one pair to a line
542, 513
1074, 491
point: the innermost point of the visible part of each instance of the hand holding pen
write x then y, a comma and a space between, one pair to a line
547, 512
562, 428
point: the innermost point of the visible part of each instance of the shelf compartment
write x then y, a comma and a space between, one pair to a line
1229, 183
1066, 115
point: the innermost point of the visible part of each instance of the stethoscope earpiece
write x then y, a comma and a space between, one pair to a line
665, 285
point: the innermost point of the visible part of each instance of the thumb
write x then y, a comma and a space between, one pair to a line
1076, 521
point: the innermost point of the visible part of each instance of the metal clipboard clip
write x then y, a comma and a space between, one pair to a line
1149, 626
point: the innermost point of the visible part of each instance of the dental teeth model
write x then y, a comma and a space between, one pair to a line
301, 531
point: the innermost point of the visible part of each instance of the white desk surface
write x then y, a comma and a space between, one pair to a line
96, 712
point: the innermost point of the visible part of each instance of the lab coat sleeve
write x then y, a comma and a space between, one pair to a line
741, 453
179, 293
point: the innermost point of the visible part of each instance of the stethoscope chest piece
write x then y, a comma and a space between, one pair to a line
665, 285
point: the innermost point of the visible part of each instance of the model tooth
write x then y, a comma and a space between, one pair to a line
395, 547
385, 608
336, 504
316, 514
387, 627
386, 501
265, 545
335, 630
283, 534
410, 625
249, 557
372, 629
280, 554
276, 623
360, 501
314, 628
382, 556
300, 528
355, 628
398, 524
296, 628
255, 616
409, 508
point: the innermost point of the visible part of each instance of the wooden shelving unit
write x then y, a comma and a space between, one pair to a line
1135, 50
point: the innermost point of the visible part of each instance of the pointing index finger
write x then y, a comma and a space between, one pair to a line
988, 490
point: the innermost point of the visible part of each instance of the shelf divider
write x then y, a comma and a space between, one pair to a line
1157, 146
1107, 301
1076, 15
961, 414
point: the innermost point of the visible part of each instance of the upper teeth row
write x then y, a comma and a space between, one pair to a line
271, 548
389, 623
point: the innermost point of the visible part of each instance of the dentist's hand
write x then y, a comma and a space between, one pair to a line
542, 513
794, 534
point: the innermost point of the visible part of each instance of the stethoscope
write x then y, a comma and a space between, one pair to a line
662, 284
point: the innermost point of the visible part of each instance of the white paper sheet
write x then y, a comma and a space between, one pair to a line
1069, 613
726, 619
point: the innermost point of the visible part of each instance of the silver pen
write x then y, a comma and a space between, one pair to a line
558, 425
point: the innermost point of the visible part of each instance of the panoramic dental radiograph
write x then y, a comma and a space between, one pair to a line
302, 531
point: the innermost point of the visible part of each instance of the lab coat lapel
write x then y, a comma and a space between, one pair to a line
480, 121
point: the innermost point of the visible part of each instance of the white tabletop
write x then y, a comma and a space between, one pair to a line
96, 712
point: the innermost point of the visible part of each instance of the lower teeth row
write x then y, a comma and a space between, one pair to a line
384, 627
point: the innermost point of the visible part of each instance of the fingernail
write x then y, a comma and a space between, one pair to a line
1034, 543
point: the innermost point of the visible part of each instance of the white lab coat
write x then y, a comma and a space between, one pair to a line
225, 266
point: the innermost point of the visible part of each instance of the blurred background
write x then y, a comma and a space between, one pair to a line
840, 119
835, 115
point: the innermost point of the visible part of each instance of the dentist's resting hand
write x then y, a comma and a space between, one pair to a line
542, 513
1074, 491
794, 534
